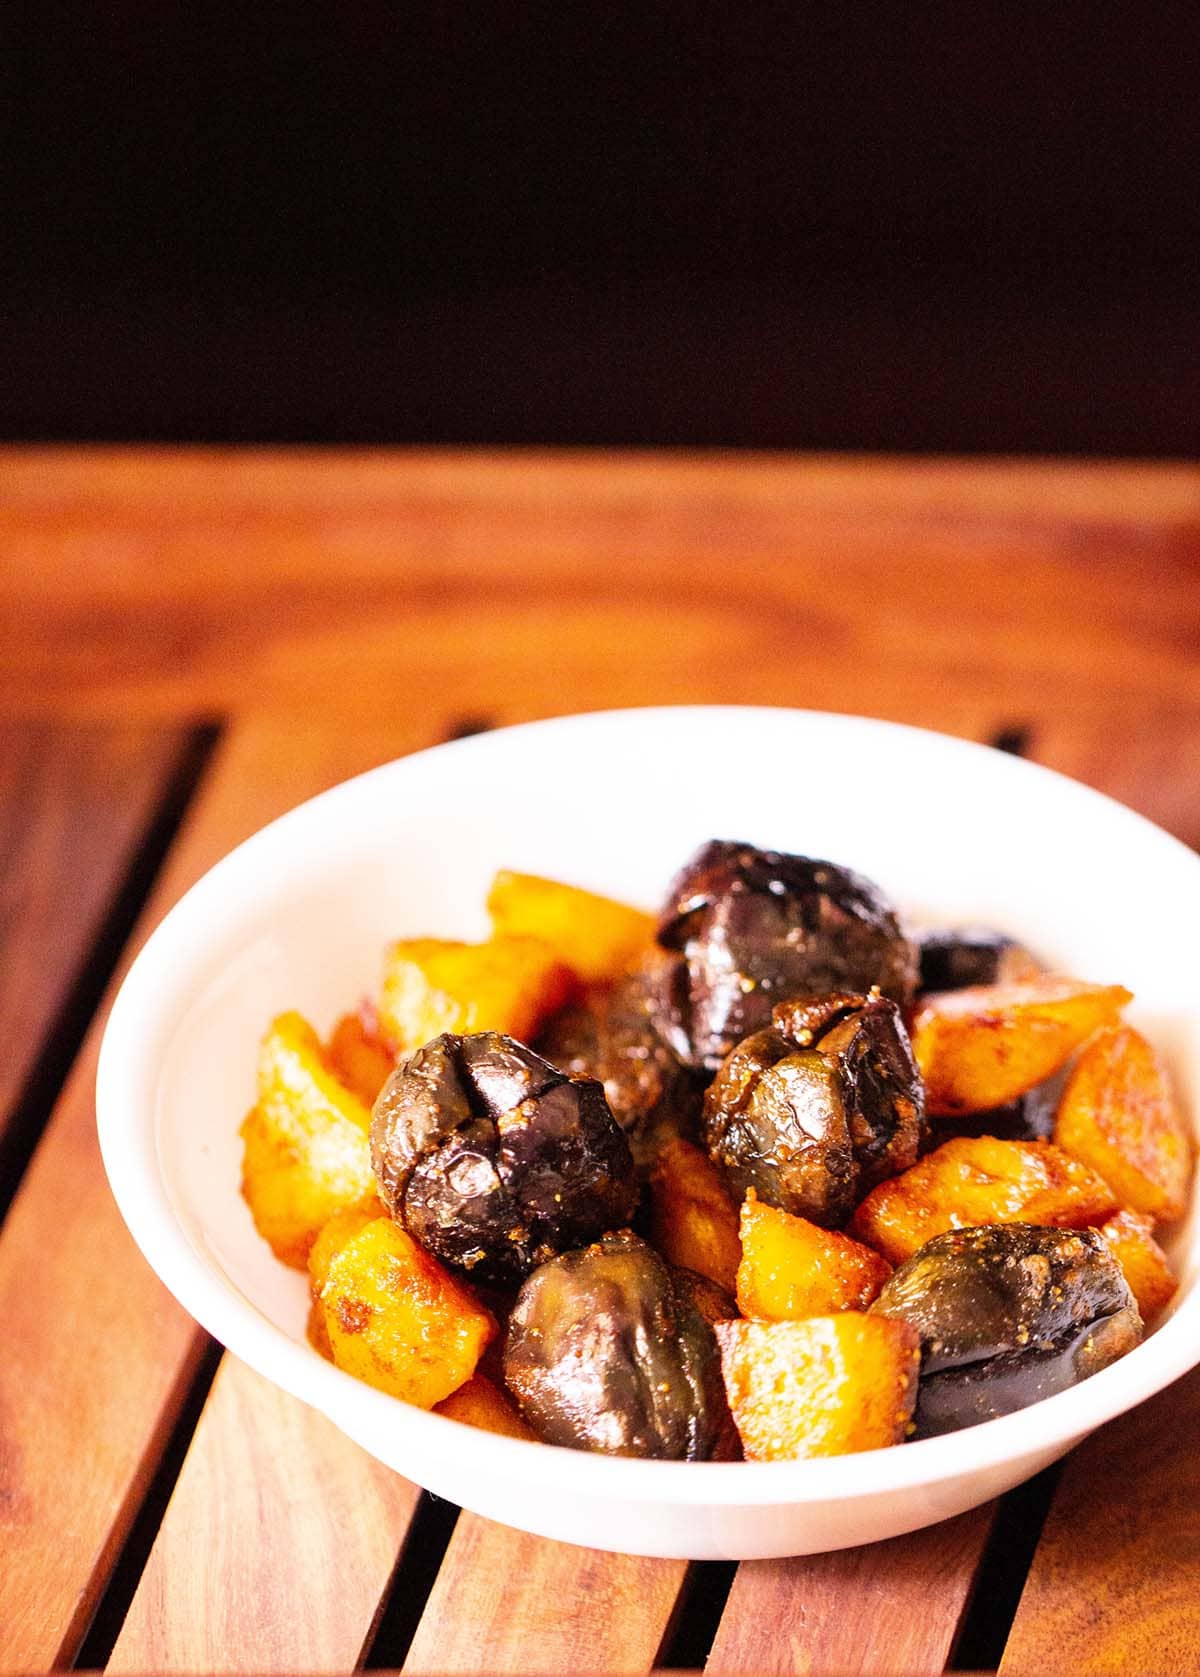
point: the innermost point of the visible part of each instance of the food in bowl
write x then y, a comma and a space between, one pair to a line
679, 1160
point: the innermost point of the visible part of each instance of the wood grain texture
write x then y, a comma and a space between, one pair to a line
1115, 1581
869, 1612
75, 801
299, 1531
97, 1356
948, 594
507, 1602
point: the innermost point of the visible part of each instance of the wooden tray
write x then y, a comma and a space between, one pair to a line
189, 644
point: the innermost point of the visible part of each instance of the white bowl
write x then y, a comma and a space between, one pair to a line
299, 916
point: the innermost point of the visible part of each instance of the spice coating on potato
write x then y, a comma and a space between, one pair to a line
595, 936
611, 1036
693, 1221
828, 1386
752, 927
481, 1404
1118, 1115
814, 1111
396, 1319
305, 1150
977, 1180
791, 1268
508, 984
1007, 1316
494, 1159
606, 1351
983, 1047
358, 1056
1130, 1238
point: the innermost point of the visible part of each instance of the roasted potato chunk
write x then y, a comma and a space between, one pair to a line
594, 936
1130, 1238
481, 1404
982, 1047
823, 1387
508, 984
305, 1149
791, 1268
1118, 1115
398, 1320
693, 1221
359, 1057
975, 1180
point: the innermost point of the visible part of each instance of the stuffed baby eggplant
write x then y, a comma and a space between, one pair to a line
816, 1110
1008, 1314
750, 928
610, 1350
493, 1159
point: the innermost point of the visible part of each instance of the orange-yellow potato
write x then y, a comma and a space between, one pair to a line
973, 1180
481, 1404
359, 1058
305, 1149
340, 1228
1118, 1114
823, 1387
791, 1269
594, 936
508, 984
398, 1320
982, 1047
693, 1221
1130, 1238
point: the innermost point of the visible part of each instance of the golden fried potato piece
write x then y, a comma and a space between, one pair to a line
305, 1151
973, 1180
398, 1320
1130, 1238
508, 984
1118, 1114
340, 1228
791, 1269
982, 1047
359, 1058
693, 1221
594, 936
481, 1404
823, 1387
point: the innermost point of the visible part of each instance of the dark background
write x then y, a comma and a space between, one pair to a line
925, 227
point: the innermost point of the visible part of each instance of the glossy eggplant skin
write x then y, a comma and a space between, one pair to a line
750, 928
607, 1350
611, 1036
495, 1160
815, 1111
959, 957
1008, 1314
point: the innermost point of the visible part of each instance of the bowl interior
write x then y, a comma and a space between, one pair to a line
299, 917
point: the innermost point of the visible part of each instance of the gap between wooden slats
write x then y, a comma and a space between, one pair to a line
299, 1527
97, 1357
84, 814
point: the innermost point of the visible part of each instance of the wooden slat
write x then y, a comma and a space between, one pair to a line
938, 593
886, 1608
1115, 1581
507, 1602
298, 1529
96, 1355
74, 804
